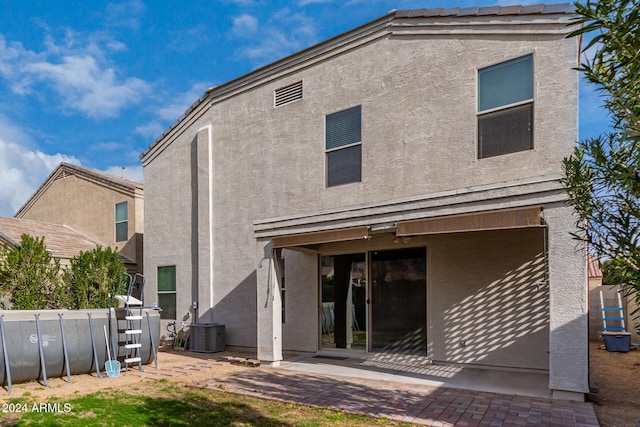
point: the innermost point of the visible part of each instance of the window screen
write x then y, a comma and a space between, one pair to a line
344, 128
506, 131
343, 166
505, 107
344, 146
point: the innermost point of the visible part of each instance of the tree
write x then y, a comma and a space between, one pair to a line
30, 276
92, 276
602, 176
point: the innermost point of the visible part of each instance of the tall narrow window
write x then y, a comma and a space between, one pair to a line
167, 291
505, 107
344, 146
122, 222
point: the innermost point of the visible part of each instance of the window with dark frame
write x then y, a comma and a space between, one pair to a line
122, 221
505, 107
343, 147
167, 291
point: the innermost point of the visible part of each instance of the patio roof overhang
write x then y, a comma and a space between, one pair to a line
319, 237
479, 221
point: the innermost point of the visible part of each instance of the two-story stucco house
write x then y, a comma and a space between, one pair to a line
108, 208
394, 190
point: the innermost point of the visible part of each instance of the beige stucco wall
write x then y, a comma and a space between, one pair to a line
89, 207
418, 126
255, 161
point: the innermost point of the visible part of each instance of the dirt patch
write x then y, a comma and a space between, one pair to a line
177, 366
617, 376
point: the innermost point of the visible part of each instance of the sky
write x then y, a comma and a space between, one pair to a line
94, 83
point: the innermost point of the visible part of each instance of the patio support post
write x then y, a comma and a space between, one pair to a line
268, 272
568, 307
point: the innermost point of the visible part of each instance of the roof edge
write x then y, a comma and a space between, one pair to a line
379, 24
121, 183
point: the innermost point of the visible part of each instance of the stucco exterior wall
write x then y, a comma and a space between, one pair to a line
418, 125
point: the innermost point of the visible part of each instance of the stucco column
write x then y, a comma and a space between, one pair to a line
202, 245
568, 307
269, 304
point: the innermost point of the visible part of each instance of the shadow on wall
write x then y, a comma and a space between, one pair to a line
237, 311
133, 250
503, 314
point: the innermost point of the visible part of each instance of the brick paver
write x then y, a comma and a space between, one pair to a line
409, 403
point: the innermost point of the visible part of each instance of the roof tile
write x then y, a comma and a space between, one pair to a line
532, 9
434, 12
417, 13
558, 8
469, 11
61, 241
510, 10
452, 11
490, 10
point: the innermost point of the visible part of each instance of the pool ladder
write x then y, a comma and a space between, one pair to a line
133, 319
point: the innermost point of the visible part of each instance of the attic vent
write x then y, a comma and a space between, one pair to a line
63, 174
288, 94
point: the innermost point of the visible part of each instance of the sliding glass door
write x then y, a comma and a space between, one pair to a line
399, 301
344, 291
384, 314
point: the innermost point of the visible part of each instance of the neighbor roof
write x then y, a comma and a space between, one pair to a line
102, 178
594, 266
61, 241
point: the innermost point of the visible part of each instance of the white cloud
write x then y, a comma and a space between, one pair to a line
170, 113
125, 14
86, 87
284, 33
245, 25
22, 171
77, 71
151, 130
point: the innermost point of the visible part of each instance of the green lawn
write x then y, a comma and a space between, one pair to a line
163, 403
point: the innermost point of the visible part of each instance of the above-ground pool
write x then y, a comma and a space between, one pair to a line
43, 344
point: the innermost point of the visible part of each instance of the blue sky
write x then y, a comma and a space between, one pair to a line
95, 82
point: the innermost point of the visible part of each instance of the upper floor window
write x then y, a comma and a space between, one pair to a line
344, 146
505, 107
122, 222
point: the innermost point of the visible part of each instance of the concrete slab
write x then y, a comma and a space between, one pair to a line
416, 371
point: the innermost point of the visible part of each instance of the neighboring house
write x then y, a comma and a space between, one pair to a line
391, 192
103, 206
61, 241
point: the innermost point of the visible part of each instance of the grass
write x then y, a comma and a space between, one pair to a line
164, 403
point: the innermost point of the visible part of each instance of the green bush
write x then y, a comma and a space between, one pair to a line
92, 277
31, 279
30, 276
